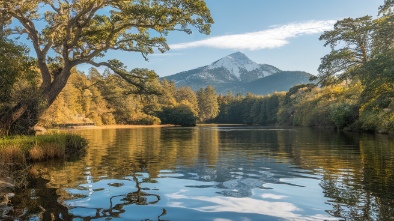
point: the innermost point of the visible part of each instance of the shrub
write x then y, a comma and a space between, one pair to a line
182, 115
343, 114
144, 119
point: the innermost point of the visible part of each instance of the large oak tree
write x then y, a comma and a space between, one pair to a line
67, 33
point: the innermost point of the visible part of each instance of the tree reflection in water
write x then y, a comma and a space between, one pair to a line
365, 190
138, 197
356, 174
38, 202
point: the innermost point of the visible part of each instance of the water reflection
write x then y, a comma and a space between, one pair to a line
222, 173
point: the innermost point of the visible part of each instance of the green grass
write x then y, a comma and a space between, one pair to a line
42, 147
17, 154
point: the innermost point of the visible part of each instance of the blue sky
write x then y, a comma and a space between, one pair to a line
283, 33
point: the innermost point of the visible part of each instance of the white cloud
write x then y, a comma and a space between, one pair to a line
238, 205
273, 196
275, 37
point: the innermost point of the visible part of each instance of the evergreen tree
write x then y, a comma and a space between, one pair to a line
187, 94
351, 44
207, 104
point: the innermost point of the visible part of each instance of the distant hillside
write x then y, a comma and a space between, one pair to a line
281, 81
238, 74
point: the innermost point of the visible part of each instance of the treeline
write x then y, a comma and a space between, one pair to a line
337, 106
102, 98
302, 105
105, 98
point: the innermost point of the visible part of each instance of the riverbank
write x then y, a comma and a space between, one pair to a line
17, 153
114, 126
41, 147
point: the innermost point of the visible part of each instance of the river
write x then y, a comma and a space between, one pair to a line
217, 173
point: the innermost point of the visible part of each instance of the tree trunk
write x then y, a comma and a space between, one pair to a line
22, 117
19, 119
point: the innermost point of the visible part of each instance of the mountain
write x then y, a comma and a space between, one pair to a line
242, 67
281, 81
238, 74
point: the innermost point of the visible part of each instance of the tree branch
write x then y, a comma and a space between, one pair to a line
41, 55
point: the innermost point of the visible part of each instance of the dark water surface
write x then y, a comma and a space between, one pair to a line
218, 173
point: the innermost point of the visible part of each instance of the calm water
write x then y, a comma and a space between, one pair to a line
218, 173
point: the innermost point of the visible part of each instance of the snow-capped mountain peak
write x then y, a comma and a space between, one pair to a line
238, 74
235, 63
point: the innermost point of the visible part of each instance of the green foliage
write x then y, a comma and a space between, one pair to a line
182, 114
168, 94
375, 118
362, 51
378, 78
186, 94
250, 109
357, 75
78, 32
354, 36
272, 107
143, 119
315, 107
304, 105
207, 104
343, 114
368, 121
225, 103
19, 81
106, 99
13, 63
81, 101
44, 147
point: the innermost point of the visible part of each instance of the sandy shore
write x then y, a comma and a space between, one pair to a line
130, 126
112, 127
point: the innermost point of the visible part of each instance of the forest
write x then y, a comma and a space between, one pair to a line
102, 100
354, 89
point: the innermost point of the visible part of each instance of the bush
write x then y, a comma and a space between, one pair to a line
182, 115
141, 118
343, 114
381, 121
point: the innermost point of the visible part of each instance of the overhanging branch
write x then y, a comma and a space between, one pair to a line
135, 80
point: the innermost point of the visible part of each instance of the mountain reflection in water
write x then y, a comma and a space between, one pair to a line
219, 173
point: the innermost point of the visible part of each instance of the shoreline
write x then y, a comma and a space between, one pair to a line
124, 126
115, 126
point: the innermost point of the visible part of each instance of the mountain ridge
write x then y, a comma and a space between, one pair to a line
238, 74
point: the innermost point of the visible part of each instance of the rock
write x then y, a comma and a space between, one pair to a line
5, 199
6, 187
6, 183
6, 194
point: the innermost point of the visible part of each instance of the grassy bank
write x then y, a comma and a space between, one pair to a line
39, 148
18, 153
